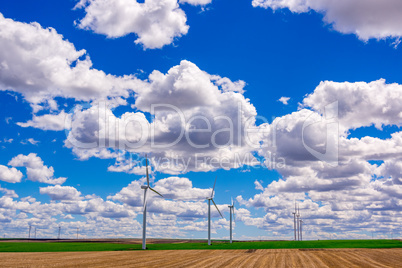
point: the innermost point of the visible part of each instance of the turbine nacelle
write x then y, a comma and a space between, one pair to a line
212, 198
232, 205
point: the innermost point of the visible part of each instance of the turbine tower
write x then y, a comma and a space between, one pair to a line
301, 230
298, 222
294, 220
231, 211
209, 212
144, 217
77, 232
58, 236
29, 234
35, 232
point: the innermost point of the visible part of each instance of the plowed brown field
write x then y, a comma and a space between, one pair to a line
210, 258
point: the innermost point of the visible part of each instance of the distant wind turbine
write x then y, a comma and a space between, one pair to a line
144, 217
298, 222
35, 232
294, 220
58, 236
301, 230
231, 211
29, 234
209, 212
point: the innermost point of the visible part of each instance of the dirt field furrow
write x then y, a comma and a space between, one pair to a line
210, 258
263, 258
378, 257
232, 260
225, 259
280, 259
318, 262
358, 259
201, 259
347, 260
306, 260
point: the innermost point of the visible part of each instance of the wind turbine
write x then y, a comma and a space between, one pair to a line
301, 230
298, 222
209, 212
231, 209
29, 234
294, 220
144, 217
58, 236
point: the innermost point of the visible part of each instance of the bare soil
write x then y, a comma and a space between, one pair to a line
210, 258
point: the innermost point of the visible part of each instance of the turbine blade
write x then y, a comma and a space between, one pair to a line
217, 208
213, 189
145, 199
232, 201
155, 191
234, 216
146, 164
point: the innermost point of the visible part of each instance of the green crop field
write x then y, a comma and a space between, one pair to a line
93, 246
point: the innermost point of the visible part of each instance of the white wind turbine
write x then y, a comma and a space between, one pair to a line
144, 218
294, 220
301, 230
231, 211
298, 222
209, 212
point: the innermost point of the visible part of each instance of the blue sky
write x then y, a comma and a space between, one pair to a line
205, 58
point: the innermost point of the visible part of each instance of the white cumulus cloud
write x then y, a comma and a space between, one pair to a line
55, 122
194, 113
284, 100
36, 170
41, 65
61, 192
11, 175
155, 22
360, 104
365, 18
196, 2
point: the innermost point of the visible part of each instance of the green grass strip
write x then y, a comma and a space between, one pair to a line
85, 246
